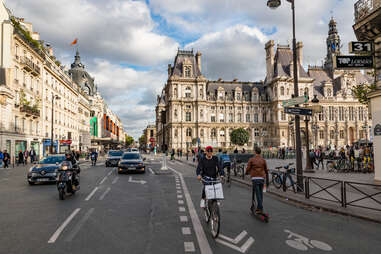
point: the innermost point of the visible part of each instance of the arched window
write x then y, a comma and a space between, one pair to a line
188, 92
306, 91
281, 90
175, 92
222, 132
189, 132
213, 133
256, 118
187, 71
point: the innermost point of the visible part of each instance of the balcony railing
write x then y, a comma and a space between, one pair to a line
30, 111
30, 66
365, 7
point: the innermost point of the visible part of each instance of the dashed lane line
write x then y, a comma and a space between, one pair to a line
181, 209
56, 234
115, 180
150, 170
186, 230
199, 231
79, 225
91, 194
103, 180
109, 173
183, 218
105, 193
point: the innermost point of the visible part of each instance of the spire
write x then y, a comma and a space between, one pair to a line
77, 61
333, 45
332, 27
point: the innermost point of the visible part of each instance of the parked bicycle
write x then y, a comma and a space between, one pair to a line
284, 178
213, 193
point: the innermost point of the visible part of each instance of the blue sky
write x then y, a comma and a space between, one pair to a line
126, 45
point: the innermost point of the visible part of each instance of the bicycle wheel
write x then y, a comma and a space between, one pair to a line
229, 180
290, 183
321, 245
206, 211
215, 219
276, 180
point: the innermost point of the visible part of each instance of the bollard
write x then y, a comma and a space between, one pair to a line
164, 166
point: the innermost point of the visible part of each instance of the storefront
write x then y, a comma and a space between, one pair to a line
20, 145
35, 145
46, 146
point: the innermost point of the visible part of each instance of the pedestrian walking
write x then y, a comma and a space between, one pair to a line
21, 157
6, 159
32, 155
26, 155
172, 154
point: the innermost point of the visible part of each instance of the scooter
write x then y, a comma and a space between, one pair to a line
262, 216
65, 180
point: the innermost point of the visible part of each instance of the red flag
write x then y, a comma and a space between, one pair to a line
74, 42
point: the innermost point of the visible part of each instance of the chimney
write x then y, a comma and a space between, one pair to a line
198, 60
269, 47
299, 52
169, 69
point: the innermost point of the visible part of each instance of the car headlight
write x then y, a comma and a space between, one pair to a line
64, 168
34, 174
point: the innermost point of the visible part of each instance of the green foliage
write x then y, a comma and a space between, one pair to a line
142, 140
239, 136
26, 34
129, 140
58, 63
362, 91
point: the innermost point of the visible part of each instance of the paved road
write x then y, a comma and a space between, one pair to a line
120, 214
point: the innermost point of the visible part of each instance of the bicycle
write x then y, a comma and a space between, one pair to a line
284, 179
213, 193
338, 167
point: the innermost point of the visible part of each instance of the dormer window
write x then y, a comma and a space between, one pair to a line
187, 71
238, 96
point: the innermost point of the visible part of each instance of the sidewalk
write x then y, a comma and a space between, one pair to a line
329, 199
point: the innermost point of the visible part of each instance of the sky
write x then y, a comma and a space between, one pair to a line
127, 45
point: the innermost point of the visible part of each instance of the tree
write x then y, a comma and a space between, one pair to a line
142, 140
129, 140
239, 136
361, 92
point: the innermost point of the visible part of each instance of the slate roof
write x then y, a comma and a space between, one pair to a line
282, 63
320, 77
181, 56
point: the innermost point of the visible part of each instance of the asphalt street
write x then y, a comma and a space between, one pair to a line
160, 213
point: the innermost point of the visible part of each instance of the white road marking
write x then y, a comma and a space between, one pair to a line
178, 187
62, 227
115, 180
198, 229
183, 218
181, 202
109, 173
179, 196
136, 181
189, 247
150, 170
179, 191
232, 243
79, 225
104, 194
91, 194
181, 209
235, 240
103, 180
186, 230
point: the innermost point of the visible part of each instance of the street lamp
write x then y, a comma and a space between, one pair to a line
273, 4
52, 138
309, 165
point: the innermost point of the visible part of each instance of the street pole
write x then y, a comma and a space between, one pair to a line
51, 131
308, 158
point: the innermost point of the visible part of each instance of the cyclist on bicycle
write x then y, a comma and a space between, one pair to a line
257, 168
208, 168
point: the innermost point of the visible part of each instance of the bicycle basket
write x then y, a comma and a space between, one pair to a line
214, 191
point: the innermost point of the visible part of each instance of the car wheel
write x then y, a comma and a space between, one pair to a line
31, 183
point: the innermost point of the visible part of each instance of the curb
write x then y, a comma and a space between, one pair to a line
307, 204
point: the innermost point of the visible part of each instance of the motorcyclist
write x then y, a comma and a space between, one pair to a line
94, 157
208, 168
75, 169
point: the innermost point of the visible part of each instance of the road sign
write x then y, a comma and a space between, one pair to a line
295, 101
298, 111
360, 47
353, 62
152, 140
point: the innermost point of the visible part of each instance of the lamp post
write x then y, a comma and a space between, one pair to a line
299, 170
52, 138
309, 166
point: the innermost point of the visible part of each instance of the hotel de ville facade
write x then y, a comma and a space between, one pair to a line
193, 109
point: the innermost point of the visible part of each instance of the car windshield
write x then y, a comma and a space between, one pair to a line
52, 160
115, 153
131, 156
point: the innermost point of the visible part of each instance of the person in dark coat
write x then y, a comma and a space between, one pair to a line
21, 157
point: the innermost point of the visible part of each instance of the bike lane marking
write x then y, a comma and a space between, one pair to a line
105, 193
56, 234
199, 231
78, 227
103, 180
91, 194
115, 180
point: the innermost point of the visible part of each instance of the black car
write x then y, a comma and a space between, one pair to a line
131, 161
113, 158
45, 170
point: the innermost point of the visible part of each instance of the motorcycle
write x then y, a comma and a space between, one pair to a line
65, 179
93, 160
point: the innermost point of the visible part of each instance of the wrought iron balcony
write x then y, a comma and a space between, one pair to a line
365, 7
30, 66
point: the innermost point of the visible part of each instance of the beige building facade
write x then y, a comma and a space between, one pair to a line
193, 110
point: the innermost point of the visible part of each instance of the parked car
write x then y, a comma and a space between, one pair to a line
131, 162
45, 170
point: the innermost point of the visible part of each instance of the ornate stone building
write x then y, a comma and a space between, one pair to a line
192, 109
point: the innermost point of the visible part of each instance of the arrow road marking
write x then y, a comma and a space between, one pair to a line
232, 243
136, 181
